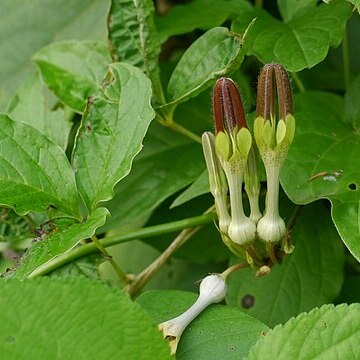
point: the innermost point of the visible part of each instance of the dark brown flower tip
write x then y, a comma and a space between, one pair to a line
227, 106
273, 76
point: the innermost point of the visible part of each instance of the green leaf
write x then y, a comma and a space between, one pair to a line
216, 53
300, 43
111, 132
35, 174
73, 70
167, 164
134, 39
220, 332
311, 276
198, 14
31, 105
59, 318
61, 239
199, 187
326, 333
326, 168
352, 105
289, 8
31, 24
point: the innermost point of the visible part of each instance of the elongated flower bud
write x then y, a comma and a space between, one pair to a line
273, 134
213, 289
233, 142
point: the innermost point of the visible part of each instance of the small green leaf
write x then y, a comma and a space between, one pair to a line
134, 39
326, 168
300, 43
326, 333
73, 70
63, 238
30, 25
111, 132
58, 318
31, 105
35, 174
311, 276
238, 331
356, 3
216, 53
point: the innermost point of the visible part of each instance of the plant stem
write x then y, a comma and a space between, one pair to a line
146, 275
234, 268
298, 82
119, 272
182, 130
143, 233
346, 61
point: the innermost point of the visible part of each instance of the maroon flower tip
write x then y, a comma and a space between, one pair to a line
227, 106
273, 76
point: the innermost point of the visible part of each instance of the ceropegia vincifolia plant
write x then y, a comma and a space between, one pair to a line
231, 158
273, 132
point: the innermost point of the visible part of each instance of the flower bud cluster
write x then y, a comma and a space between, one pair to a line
232, 159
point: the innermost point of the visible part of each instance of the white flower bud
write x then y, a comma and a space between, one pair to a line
213, 289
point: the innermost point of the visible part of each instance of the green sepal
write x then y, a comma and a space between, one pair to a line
290, 128
258, 131
281, 131
223, 146
244, 142
267, 134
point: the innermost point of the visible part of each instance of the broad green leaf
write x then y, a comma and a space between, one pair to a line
60, 240
67, 318
311, 276
289, 8
166, 165
325, 334
111, 133
220, 332
35, 174
31, 105
328, 168
216, 53
134, 39
28, 25
199, 187
352, 105
300, 43
73, 70
198, 14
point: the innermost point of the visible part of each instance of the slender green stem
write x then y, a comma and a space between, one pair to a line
298, 82
119, 272
182, 130
346, 61
158, 89
143, 233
